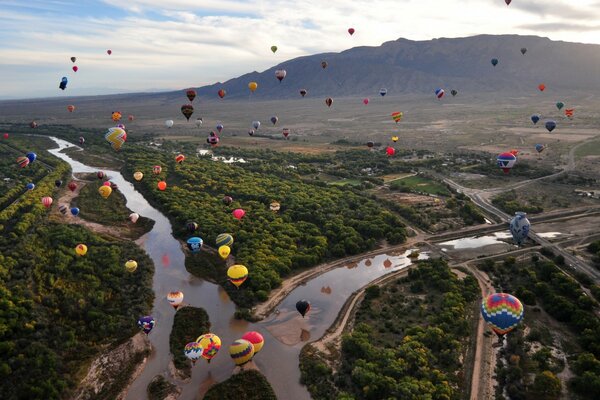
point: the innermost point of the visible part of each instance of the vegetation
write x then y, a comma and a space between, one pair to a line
58, 310
559, 315
594, 248
419, 184
189, 323
408, 341
159, 388
247, 385
508, 202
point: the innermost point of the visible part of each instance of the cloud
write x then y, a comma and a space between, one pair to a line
560, 26
580, 10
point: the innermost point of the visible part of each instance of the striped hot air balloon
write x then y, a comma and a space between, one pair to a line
397, 116
502, 312
237, 274
241, 351
224, 239
439, 93
23, 161
47, 201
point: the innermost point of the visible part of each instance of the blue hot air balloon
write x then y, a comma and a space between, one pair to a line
75, 211
519, 227
502, 312
30, 186
535, 118
63, 83
31, 156
550, 125
494, 61
146, 324
194, 244
439, 93
539, 148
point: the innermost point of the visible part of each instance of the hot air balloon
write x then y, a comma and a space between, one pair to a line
494, 61
237, 274
187, 110
146, 324
63, 83
116, 137
221, 93
274, 119
519, 227
131, 265
224, 251
133, 217
238, 213
81, 249
22, 161
47, 201
390, 151
31, 156
535, 118
130, 117
198, 122
138, 176
506, 161
191, 226
213, 139
502, 312
303, 92
560, 105
324, 64
105, 191
161, 185
370, 144
280, 74
285, 132
100, 174
72, 186
454, 92
329, 101
113, 186
540, 147
191, 94
273, 49
351, 31
523, 50
508, 2
394, 139
71, 108
107, 183
116, 116
74, 211
514, 152
194, 244
274, 206
439, 93
33, 125
5, 136
30, 186
241, 351
193, 351
63, 209
365, 101
219, 127
157, 169
542, 87
58, 183
169, 123
75, 68
109, 52
227, 200
397, 116
224, 239
550, 125
303, 307
569, 112
251, 132
256, 339
81, 140
179, 158
210, 344
253, 86
256, 124
73, 59
175, 299
383, 92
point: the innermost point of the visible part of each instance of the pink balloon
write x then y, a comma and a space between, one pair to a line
366, 101
239, 213
75, 68
106, 183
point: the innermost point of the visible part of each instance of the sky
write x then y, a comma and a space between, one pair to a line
173, 44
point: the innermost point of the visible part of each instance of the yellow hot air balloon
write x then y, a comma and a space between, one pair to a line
81, 249
131, 265
138, 176
241, 351
275, 206
253, 86
224, 251
116, 137
210, 344
105, 191
175, 299
394, 139
237, 274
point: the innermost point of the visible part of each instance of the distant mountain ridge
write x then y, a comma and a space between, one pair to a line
406, 67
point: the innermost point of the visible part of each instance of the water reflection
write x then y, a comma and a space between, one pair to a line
476, 242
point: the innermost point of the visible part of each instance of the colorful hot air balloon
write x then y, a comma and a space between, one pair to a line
157, 169
506, 161
542, 87
179, 158
274, 119
351, 31
191, 94
394, 139
303, 307
550, 125
439, 93
454, 92
383, 92
535, 118
274, 206
138, 175
219, 128
146, 324
63, 83
241, 351
74, 211
519, 227
175, 299
22, 161
397, 116
390, 151
285, 132
107, 183
227, 200
133, 217
71, 107
569, 112
105, 191
224, 251
191, 226
273, 49
169, 123
494, 61
194, 244
116, 137
238, 213
256, 339
213, 139
47, 201
31, 156
280, 74
30, 186
210, 344
237, 274
131, 265
540, 147
324, 64
253, 86
116, 116
187, 110
502, 312
81, 249
560, 105
162, 186
329, 101
193, 351
256, 124
303, 92
523, 50
224, 239
221, 93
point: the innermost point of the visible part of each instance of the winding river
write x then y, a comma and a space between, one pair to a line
285, 331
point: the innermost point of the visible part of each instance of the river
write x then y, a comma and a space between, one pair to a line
285, 331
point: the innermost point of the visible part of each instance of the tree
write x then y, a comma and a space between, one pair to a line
546, 386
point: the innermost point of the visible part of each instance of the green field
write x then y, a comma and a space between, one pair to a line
419, 184
590, 149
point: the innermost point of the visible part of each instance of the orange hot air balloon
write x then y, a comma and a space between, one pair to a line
542, 87
162, 185
221, 93
71, 108
253, 86
179, 158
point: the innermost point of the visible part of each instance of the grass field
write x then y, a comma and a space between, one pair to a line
590, 149
423, 185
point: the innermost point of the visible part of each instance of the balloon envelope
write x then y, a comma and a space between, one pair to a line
146, 324
506, 161
550, 125
169, 123
47, 201
224, 239
303, 307
193, 351
535, 118
138, 176
238, 213
241, 351
81, 249
105, 191
256, 339
519, 227
237, 274
116, 137
175, 298
502, 312
131, 265
133, 217
75, 211
211, 344
253, 86
194, 244
224, 251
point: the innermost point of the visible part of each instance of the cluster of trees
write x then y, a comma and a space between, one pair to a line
594, 248
408, 340
314, 224
509, 202
247, 385
160, 388
189, 323
540, 284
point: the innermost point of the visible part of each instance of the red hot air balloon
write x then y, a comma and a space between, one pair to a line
72, 186
109, 52
542, 87
75, 68
221, 93
5, 136
238, 213
366, 101
286, 132
351, 31
390, 151
71, 108
191, 94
